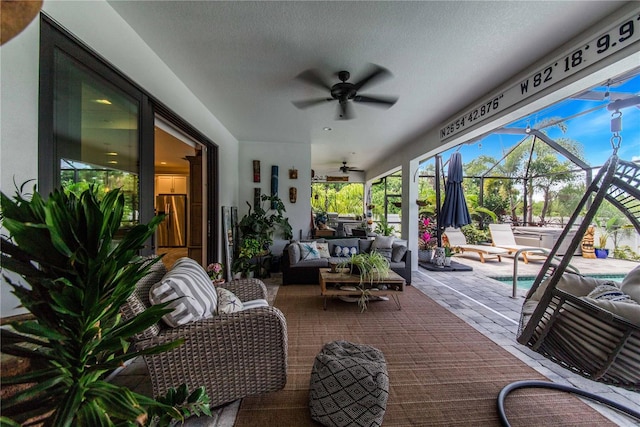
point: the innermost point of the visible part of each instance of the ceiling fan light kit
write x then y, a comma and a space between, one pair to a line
345, 92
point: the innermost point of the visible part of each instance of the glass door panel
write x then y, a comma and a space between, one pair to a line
96, 134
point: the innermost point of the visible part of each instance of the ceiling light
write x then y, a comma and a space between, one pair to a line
163, 163
113, 162
111, 153
327, 129
102, 101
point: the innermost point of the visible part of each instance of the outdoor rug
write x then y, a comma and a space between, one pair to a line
441, 370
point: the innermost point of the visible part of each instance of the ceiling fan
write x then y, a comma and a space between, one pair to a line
345, 92
346, 169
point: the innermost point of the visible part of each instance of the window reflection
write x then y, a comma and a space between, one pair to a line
96, 134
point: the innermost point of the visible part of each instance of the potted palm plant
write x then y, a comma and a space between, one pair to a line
72, 275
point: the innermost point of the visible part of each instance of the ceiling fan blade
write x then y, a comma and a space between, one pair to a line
377, 73
386, 100
345, 111
313, 78
310, 102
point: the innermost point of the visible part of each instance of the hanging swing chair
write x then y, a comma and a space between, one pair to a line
569, 329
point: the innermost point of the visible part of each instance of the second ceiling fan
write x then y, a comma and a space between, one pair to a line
345, 92
346, 169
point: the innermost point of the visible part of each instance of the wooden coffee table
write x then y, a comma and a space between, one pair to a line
328, 282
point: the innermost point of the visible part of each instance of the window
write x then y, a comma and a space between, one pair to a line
96, 134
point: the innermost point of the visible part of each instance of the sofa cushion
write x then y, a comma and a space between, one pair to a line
631, 284
189, 288
397, 265
350, 242
572, 283
364, 246
382, 242
308, 250
609, 297
385, 252
294, 253
255, 303
609, 292
397, 252
323, 249
318, 262
228, 302
344, 251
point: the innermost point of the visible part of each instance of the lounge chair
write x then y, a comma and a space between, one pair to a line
456, 239
502, 237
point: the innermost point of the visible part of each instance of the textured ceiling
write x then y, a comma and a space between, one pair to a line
241, 58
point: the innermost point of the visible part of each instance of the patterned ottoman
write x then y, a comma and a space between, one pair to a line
349, 385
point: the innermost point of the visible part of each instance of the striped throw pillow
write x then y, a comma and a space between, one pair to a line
189, 288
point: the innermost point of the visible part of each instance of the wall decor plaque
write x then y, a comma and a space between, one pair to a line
256, 171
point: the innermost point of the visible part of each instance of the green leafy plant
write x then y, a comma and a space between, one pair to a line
261, 225
187, 405
449, 251
72, 275
370, 267
625, 252
383, 228
249, 249
473, 235
607, 229
257, 229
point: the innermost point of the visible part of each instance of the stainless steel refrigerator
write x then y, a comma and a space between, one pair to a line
172, 232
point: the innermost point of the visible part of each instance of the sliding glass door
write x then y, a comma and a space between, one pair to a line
97, 128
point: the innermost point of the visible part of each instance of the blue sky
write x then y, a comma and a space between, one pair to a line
591, 129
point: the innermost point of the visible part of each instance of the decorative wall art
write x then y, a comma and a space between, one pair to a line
293, 173
274, 184
256, 171
256, 197
293, 194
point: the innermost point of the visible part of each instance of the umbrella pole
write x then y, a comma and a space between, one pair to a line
438, 232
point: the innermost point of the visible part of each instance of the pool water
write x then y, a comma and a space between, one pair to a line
525, 282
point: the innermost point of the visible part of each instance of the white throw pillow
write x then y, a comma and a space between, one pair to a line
189, 288
382, 242
323, 250
309, 250
228, 302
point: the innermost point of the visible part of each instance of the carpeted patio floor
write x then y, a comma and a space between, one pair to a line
442, 371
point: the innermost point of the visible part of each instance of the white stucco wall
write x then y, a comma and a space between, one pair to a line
102, 29
286, 156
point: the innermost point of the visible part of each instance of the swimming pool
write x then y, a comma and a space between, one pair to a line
525, 282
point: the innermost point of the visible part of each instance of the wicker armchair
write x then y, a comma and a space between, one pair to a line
232, 355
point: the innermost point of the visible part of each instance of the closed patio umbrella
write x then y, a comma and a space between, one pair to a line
454, 211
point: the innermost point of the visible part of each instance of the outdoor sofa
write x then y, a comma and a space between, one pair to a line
298, 270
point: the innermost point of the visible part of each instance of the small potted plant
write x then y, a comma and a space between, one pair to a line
370, 267
448, 254
426, 239
216, 273
601, 251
